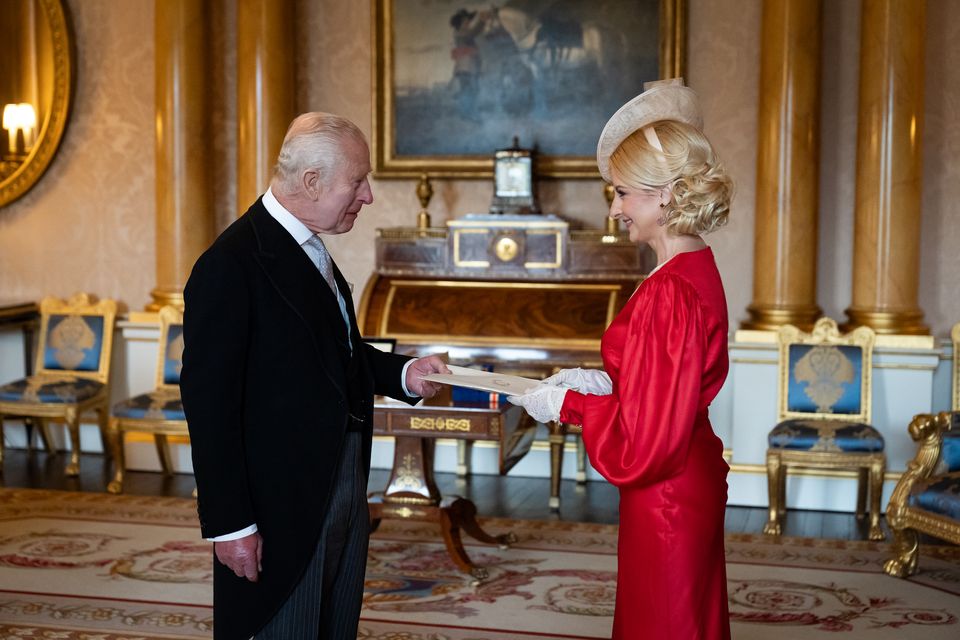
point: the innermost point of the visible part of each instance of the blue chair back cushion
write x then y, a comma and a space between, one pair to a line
156, 405
950, 454
173, 355
73, 343
825, 435
941, 495
824, 378
39, 389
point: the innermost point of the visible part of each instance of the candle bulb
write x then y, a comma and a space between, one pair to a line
9, 123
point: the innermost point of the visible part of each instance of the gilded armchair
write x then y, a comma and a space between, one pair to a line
159, 412
824, 415
927, 497
72, 371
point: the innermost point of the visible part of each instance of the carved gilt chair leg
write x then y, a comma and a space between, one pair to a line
72, 419
862, 484
772, 528
906, 548
163, 452
876, 490
581, 461
782, 491
44, 428
115, 436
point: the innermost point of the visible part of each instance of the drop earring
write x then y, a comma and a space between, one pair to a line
662, 220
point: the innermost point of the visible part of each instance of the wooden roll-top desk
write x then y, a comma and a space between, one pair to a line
525, 294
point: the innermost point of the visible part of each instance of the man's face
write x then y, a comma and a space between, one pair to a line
340, 196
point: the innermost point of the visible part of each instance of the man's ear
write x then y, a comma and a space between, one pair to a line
312, 184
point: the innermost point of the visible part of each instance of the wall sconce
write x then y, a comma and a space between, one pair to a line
16, 118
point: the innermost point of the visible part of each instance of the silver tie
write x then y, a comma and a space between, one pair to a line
324, 263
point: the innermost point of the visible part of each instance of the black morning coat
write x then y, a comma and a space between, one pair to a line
264, 385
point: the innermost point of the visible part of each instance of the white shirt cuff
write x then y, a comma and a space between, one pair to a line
236, 535
403, 380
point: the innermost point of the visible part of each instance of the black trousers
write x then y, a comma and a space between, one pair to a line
326, 602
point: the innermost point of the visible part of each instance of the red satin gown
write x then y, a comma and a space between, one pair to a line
666, 353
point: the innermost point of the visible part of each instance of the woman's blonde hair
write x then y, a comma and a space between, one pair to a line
701, 189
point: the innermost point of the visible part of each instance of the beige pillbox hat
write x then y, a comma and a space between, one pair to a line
660, 100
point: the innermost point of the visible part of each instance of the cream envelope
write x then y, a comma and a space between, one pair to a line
483, 380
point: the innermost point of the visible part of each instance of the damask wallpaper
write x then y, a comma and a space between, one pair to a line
89, 224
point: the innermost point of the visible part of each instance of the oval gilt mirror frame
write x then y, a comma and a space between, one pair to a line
54, 120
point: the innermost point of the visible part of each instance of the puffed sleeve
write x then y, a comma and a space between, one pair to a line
640, 434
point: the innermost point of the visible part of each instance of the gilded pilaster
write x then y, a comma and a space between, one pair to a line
265, 91
886, 258
785, 230
184, 210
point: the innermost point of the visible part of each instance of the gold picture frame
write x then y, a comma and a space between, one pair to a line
532, 58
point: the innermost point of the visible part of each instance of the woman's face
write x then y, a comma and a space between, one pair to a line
638, 209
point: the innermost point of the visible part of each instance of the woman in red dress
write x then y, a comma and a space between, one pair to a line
645, 418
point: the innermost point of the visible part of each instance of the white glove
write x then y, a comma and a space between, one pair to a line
592, 381
543, 402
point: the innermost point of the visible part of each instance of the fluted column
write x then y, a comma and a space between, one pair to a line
265, 91
886, 259
184, 211
785, 230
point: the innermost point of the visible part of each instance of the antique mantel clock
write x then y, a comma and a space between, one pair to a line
513, 191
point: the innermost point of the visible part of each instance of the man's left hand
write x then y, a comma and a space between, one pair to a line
421, 367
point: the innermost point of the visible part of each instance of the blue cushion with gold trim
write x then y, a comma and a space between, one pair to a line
950, 455
825, 436
53, 390
156, 405
824, 378
173, 355
941, 495
73, 343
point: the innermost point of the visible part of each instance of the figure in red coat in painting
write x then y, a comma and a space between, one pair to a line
645, 417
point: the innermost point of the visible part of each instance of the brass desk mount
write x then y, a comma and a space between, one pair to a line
424, 193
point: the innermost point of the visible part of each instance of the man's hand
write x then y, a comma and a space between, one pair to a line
421, 367
242, 556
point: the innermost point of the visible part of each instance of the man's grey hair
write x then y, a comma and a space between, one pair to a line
313, 141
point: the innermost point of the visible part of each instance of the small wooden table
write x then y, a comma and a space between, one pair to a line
412, 492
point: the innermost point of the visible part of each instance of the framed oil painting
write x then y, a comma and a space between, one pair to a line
455, 80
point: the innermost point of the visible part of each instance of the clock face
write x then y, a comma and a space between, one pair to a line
513, 177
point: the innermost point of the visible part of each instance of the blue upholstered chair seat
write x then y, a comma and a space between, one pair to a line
825, 436
53, 390
950, 455
156, 405
941, 495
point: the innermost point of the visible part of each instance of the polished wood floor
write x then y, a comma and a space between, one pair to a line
512, 497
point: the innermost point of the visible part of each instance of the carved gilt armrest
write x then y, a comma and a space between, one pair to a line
928, 430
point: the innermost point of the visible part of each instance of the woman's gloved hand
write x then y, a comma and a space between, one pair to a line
592, 381
543, 402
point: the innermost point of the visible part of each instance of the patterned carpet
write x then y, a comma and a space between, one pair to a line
83, 566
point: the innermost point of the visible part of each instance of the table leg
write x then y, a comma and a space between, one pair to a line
412, 494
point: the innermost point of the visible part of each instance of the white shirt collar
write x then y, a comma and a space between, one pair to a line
287, 220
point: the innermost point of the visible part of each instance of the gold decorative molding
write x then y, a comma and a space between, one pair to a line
50, 134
